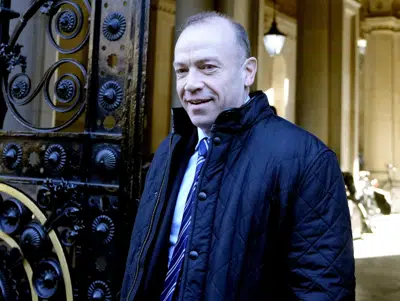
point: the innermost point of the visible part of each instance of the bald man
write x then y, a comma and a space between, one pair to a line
238, 204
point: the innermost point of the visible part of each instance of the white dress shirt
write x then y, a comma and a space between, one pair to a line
183, 194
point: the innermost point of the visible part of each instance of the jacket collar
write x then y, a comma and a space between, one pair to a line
231, 120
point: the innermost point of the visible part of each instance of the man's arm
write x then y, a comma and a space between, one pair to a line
320, 260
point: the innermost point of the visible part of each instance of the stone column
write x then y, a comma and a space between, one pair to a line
381, 94
326, 77
185, 9
350, 108
396, 97
161, 46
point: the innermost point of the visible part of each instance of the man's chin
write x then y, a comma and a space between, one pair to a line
201, 122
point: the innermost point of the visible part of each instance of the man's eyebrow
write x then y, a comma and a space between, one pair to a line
197, 62
207, 60
178, 64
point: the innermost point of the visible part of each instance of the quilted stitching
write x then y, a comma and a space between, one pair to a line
297, 248
328, 225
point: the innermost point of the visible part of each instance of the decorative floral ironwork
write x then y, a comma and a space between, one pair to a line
12, 215
110, 95
18, 81
33, 238
99, 290
55, 158
104, 227
67, 21
46, 278
10, 57
76, 99
46, 7
54, 223
114, 26
40, 245
68, 24
73, 78
13, 284
65, 90
12, 156
20, 86
69, 236
43, 198
106, 159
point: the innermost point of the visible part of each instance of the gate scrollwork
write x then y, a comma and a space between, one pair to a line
68, 198
66, 19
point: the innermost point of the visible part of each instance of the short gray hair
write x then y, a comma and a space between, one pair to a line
240, 32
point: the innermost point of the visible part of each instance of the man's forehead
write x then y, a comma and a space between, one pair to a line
215, 25
200, 48
210, 39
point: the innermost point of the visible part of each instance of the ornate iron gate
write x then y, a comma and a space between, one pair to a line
68, 195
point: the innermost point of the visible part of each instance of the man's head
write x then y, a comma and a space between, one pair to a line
214, 70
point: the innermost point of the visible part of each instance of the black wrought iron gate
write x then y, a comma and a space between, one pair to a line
69, 188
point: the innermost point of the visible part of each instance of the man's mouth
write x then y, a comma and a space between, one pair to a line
199, 101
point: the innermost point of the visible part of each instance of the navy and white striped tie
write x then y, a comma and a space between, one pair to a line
179, 252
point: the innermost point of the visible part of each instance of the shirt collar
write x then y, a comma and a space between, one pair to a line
203, 135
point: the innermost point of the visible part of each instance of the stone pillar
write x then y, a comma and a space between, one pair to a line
160, 57
350, 81
396, 97
326, 76
185, 9
381, 94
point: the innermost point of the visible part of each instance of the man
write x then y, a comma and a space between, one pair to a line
238, 204
274, 110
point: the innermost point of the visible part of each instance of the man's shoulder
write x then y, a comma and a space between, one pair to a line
287, 140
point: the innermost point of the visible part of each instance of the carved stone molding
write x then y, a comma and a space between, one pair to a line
380, 8
168, 6
391, 24
352, 7
286, 7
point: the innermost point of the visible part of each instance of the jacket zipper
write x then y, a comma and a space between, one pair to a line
151, 223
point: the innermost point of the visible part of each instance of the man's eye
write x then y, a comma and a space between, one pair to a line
207, 67
181, 71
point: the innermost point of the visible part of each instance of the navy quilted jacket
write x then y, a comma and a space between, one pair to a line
272, 221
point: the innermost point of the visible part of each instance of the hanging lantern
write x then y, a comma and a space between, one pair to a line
274, 40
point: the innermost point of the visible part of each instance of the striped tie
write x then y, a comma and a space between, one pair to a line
180, 247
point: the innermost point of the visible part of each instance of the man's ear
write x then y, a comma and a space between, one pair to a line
250, 70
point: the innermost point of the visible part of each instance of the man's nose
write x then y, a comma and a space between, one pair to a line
193, 81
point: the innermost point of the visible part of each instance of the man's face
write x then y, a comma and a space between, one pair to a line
210, 73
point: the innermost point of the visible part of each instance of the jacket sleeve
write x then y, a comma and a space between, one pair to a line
320, 258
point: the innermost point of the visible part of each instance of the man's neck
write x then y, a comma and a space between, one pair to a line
202, 133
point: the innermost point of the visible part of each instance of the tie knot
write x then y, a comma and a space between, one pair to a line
203, 147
